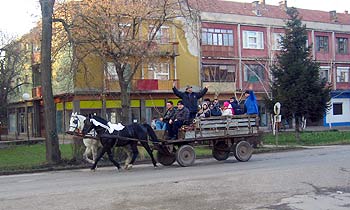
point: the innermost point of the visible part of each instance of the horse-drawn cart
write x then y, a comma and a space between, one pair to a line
226, 134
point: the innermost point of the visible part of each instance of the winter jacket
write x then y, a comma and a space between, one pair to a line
215, 110
204, 113
182, 114
227, 112
169, 114
250, 104
190, 100
236, 107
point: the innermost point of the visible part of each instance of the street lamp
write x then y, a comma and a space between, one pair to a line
26, 97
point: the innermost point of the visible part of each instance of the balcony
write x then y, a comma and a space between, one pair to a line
153, 84
143, 85
166, 49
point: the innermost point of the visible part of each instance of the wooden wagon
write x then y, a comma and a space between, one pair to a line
226, 134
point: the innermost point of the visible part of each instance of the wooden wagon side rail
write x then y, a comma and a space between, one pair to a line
225, 125
208, 138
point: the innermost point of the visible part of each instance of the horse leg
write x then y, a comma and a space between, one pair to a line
86, 155
94, 152
103, 151
110, 156
135, 152
128, 159
149, 151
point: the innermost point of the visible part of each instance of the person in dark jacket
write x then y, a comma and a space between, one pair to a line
236, 107
204, 111
190, 98
215, 109
181, 117
163, 122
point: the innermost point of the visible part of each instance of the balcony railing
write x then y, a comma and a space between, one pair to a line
152, 84
166, 49
140, 85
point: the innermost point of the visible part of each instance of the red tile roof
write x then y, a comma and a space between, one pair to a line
271, 11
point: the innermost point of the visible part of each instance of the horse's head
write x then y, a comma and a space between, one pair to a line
76, 122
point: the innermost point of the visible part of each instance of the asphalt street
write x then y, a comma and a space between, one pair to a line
315, 179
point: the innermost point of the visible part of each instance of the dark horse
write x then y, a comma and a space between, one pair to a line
129, 135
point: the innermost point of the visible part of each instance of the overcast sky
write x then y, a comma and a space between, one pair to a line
19, 16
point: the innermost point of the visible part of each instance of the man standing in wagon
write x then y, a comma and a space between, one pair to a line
190, 98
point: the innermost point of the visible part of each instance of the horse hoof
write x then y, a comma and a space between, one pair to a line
129, 167
93, 169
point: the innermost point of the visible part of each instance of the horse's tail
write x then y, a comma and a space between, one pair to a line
151, 132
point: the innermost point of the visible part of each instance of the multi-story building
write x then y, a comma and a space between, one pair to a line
238, 43
93, 86
241, 41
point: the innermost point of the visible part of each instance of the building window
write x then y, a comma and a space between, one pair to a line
277, 41
121, 31
253, 73
324, 72
342, 74
253, 40
162, 36
12, 123
337, 108
221, 37
158, 71
111, 71
342, 45
322, 43
218, 73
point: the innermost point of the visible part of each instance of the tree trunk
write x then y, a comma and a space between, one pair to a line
125, 99
297, 129
53, 154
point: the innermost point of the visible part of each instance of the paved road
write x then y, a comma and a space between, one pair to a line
314, 179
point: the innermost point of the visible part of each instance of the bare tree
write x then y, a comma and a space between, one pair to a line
124, 32
53, 154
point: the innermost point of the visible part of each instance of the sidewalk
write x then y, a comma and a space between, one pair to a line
10, 140
312, 128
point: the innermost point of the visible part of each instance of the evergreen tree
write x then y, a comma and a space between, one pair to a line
296, 83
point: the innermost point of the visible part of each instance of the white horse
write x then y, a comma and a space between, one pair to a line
76, 124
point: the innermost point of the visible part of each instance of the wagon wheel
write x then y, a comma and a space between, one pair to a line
221, 151
243, 151
185, 155
165, 159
